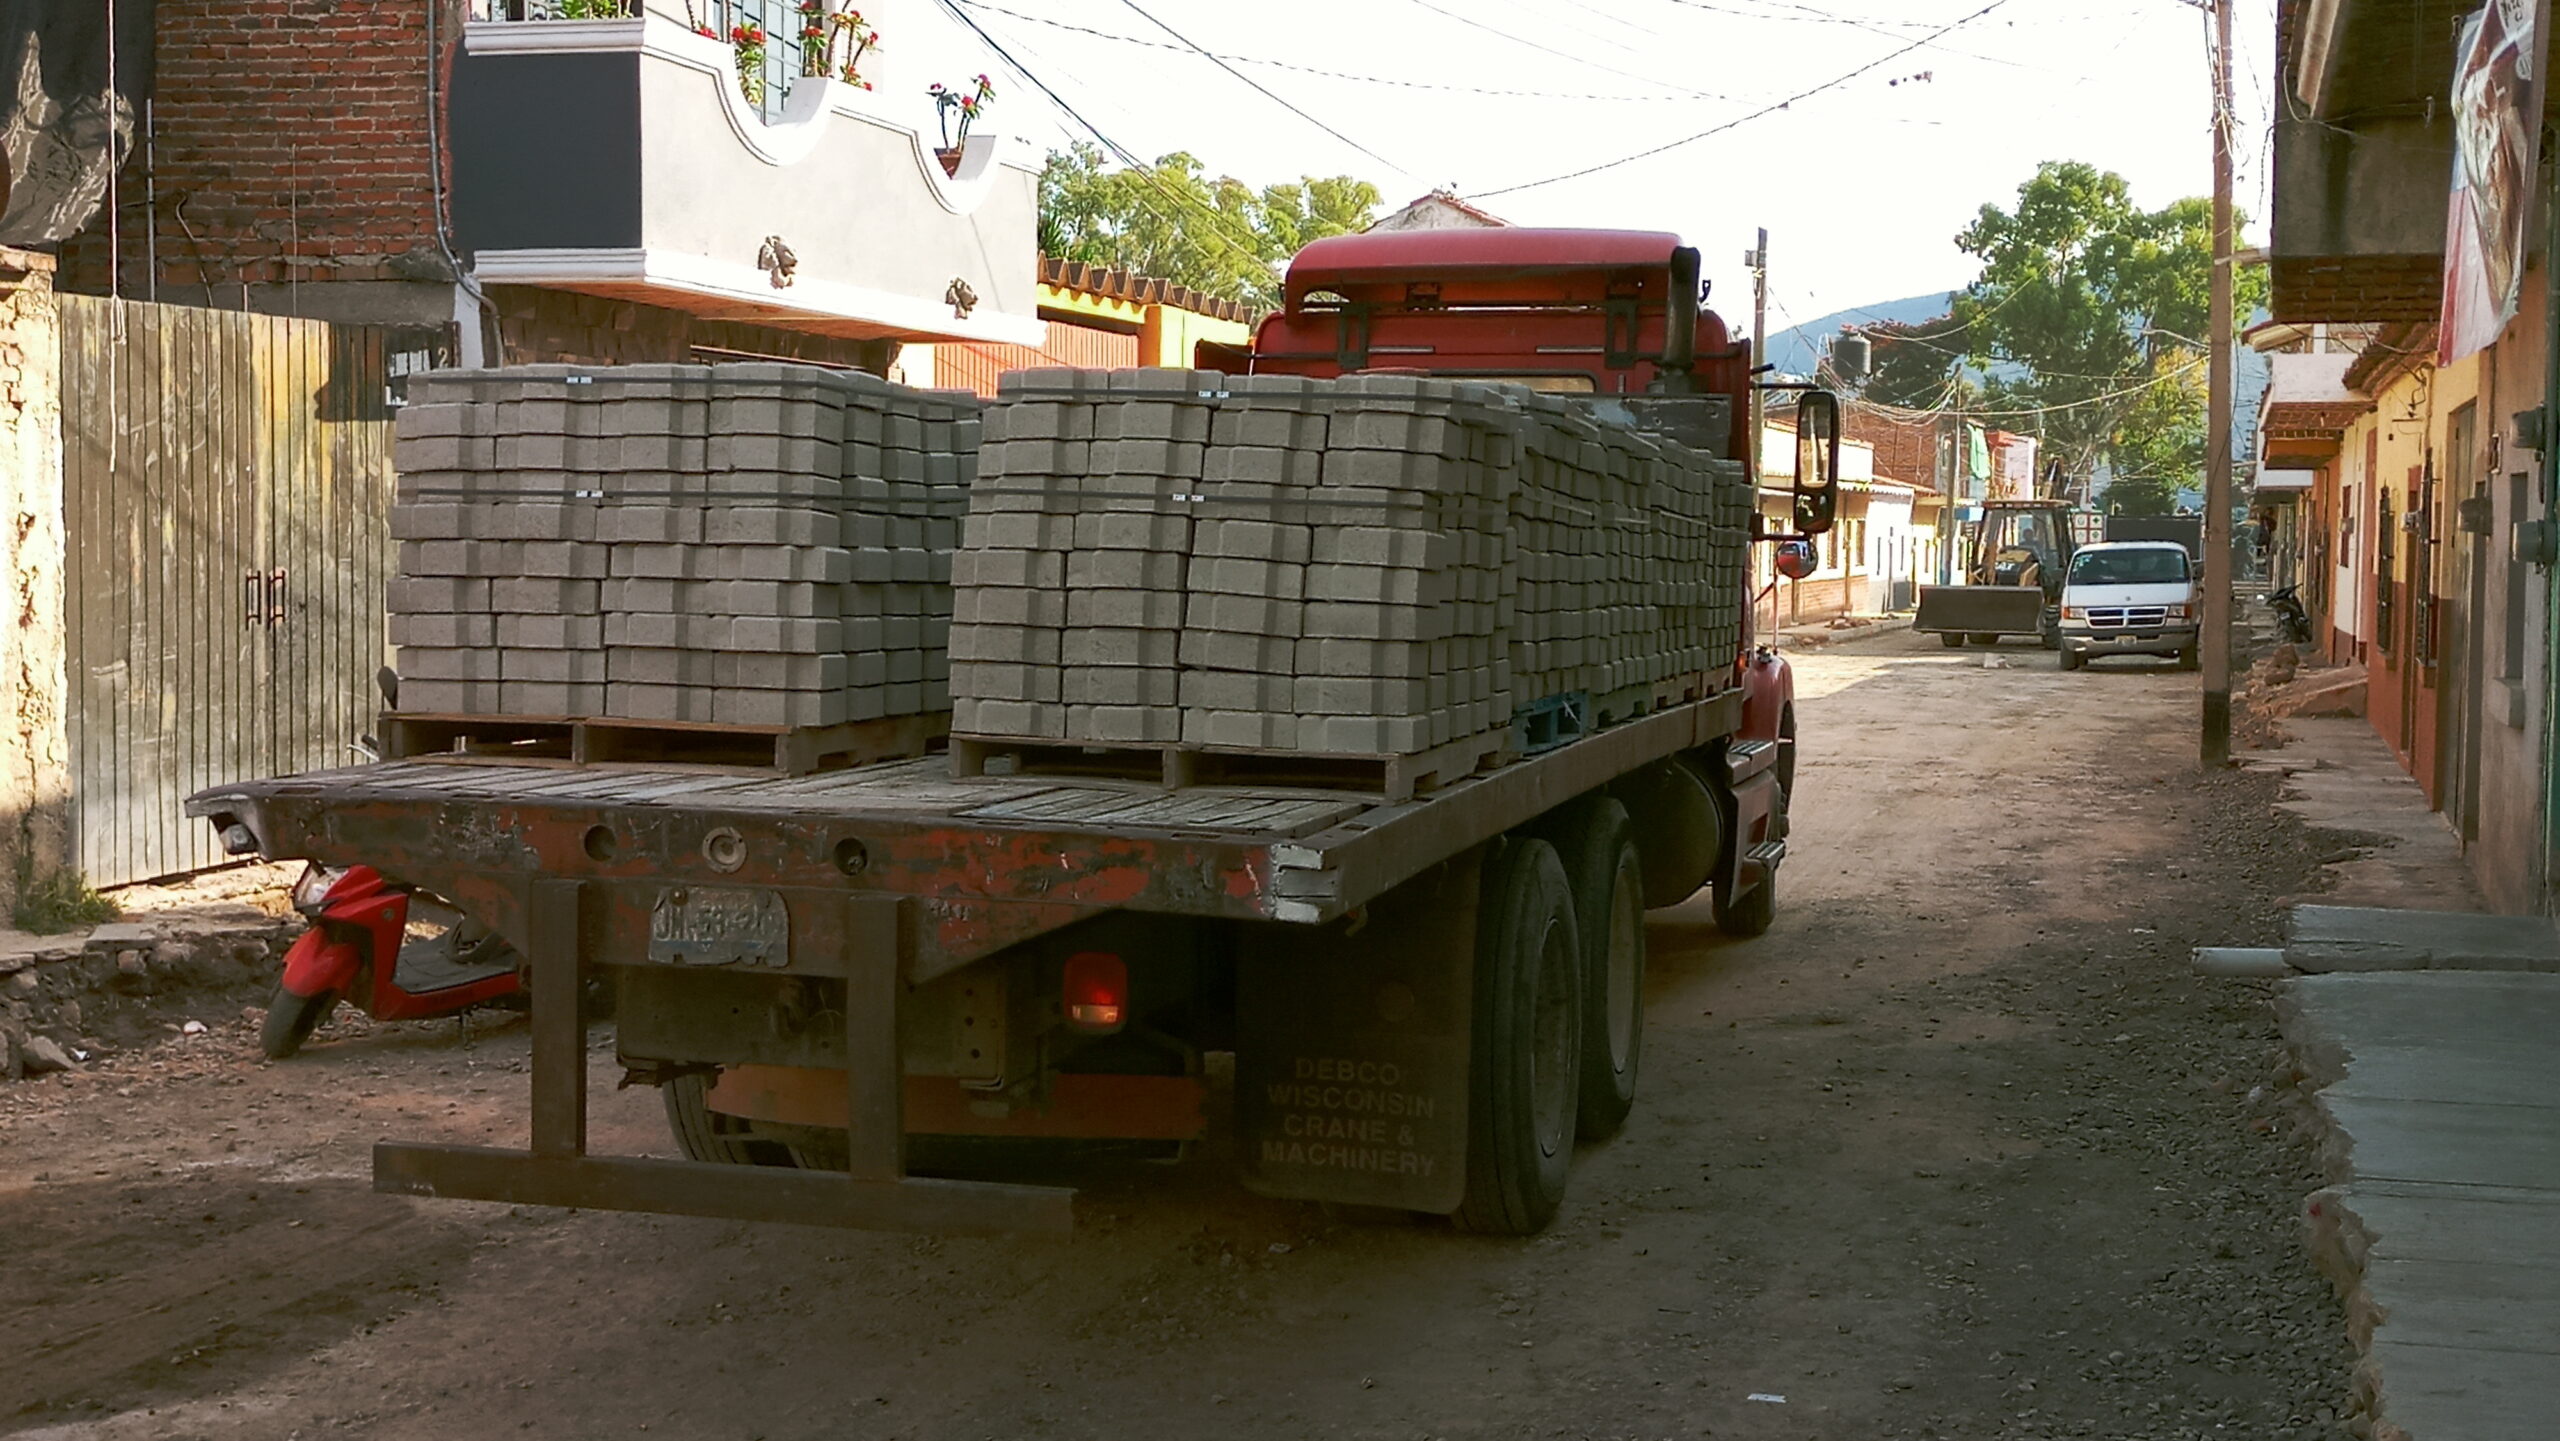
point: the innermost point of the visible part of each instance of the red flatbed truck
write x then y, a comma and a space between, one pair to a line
1427, 998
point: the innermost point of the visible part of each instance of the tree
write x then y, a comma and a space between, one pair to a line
2090, 315
1915, 366
1171, 221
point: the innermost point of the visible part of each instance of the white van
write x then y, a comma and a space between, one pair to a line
2129, 597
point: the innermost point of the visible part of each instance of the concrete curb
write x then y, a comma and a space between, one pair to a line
1818, 637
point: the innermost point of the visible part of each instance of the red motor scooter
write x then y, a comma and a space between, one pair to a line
386, 949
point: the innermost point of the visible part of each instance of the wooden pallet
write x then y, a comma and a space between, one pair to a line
1629, 702
1396, 778
602, 741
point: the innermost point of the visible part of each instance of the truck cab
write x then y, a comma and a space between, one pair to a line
2129, 598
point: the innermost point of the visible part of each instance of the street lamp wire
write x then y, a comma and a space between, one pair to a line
1274, 96
1769, 109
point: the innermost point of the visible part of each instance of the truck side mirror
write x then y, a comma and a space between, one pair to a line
1817, 461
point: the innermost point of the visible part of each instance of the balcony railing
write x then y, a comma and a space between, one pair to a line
768, 89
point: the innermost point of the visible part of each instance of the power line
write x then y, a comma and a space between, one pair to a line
1283, 102
1387, 80
1472, 23
1769, 109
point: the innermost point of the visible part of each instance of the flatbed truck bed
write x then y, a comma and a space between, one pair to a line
1350, 924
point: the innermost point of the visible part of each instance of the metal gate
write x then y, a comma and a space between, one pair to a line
227, 485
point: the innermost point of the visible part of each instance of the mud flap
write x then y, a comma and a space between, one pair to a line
1351, 1049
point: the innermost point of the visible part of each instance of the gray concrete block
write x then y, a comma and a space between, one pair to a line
1230, 575
553, 666
442, 629
490, 558
650, 524
766, 597
1027, 719
436, 520
478, 663
1353, 620
565, 559
1020, 644
1125, 570
549, 632
1268, 427
1121, 609
1133, 530
1120, 647
826, 565
789, 635
771, 525
1364, 735
417, 422
1114, 686
1241, 730
1224, 650
1262, 465
1340, 696
998, 680
1231, 690
450, 697
732, 705
651, 630
787, 672
1384, 546
1383, 585
1384, 659
662, 666
1125, 724
546, 596
411, 595
661, 562
634, 701
1017, 530
1014, 606
1253, 540
1245, 614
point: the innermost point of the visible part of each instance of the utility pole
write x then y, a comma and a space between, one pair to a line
2215, 643
1758, 260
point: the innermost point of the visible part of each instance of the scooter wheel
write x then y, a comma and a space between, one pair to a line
291, 1019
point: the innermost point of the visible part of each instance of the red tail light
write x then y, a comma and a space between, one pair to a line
1096, 992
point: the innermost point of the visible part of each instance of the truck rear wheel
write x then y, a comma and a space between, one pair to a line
704, 1134
1596, 841
1524, 1062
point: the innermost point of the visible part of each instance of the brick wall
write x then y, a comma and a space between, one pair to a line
538, 327
978, 366
1906, 448
291, 142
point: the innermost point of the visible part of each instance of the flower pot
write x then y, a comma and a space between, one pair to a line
950, 159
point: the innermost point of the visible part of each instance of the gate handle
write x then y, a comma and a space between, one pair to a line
253, 609
276, 597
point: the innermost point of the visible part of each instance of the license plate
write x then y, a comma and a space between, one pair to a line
708, 926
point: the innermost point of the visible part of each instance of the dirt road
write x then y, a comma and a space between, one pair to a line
1958, 1150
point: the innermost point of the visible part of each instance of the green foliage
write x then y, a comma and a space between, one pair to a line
1172, 221
2098, 309
61, 901
2158, 450
1915, 366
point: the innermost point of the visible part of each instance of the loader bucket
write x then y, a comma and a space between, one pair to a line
1980, 609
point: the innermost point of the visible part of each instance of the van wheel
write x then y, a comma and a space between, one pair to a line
1524, 1064
2071, 660
1596, 841
2187, 658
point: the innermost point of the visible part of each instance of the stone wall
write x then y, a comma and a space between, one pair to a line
35, 769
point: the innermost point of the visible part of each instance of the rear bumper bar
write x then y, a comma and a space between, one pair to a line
733, 1193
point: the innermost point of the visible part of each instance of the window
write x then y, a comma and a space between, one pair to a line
2165, 565
2385, 551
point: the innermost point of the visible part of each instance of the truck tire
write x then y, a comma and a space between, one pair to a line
1596, 841
290, 1021
705, 1135
2187, 659
1951, 639
1524, 1061
1754, 913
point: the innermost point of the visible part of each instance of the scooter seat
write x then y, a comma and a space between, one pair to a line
442, 951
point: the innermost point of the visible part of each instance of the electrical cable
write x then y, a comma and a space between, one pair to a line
1387, 80
1472, 23
1267, 92
1713, 130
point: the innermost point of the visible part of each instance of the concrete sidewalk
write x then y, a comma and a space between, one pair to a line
1813, 635
2428, 1038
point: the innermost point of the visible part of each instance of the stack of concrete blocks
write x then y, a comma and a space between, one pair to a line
1378, 565
755, 544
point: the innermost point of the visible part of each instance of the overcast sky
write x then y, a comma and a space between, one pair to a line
1862, 185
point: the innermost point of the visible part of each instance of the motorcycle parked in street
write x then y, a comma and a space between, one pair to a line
2291, 619
386, 949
